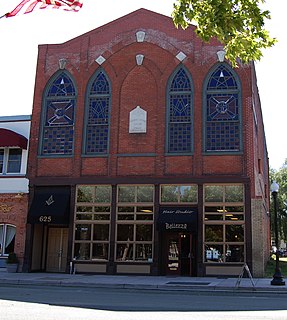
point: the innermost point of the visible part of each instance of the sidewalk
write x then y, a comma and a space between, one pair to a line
143, 282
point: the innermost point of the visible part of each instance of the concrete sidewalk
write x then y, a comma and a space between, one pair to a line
143, 282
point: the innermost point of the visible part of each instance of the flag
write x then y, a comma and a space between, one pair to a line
27, 6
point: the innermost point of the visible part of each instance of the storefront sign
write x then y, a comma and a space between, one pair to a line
177, 219
182, 226
176, 211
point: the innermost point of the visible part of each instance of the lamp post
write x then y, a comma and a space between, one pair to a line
277, 277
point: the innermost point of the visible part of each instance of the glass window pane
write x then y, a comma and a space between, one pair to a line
143, 252
9, 241
1, 239
125, 232
147, 217
101, 232
145, 194
84, 209
169, 194
213, 233
213, 253
126, 217
14, 161
188, 193
126, 209
83, 216
234, 209
82, 251
85, 194
1, 160
126, 194
102, 209
100, 251
214, 193
144, 209
210, 217
124, 252
234, 194
144, 232
83, 232
234, 253
234, 217
214, 209
234, 233
101, 217
103, 194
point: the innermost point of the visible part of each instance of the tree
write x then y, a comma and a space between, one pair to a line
237, 24
280, 177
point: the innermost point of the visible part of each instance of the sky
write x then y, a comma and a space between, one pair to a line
21, 35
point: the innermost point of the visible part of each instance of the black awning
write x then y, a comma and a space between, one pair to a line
50, 205
177, 219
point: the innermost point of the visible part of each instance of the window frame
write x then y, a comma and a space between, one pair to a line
57, 99
4, 239
206, 92
5, 162
93, 222
240, 220
88, 98
178, 202
169, 94
135, 223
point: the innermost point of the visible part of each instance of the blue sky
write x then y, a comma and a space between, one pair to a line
20, 37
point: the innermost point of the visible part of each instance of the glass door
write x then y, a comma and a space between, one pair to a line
179, 254
173, 262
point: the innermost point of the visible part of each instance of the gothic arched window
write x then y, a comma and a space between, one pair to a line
97, 115
180, 114
222, 112
59, 110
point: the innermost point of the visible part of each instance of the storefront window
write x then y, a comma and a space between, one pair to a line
213, 233
92, 222
214, 193
224, 223
135, 217
82, 251
178, 194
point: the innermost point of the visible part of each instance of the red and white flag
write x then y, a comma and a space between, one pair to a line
27, 6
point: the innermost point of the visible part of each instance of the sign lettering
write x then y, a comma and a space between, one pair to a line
182, 226
45, 218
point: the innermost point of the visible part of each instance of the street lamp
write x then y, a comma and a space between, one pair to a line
277, 277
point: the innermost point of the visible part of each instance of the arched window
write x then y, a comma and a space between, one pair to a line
179, 122
59, 116
97, 115
222, 112
7, 239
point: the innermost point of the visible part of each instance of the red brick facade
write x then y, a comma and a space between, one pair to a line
143, 157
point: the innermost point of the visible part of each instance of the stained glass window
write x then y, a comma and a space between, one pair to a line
97, 129
58, 130
222, 111
180, 113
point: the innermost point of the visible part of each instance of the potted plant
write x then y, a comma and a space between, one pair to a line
12, 262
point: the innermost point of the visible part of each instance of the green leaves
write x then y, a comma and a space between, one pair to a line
237, 24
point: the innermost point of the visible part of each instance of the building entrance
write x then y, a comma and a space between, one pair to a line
57, 250
179, 255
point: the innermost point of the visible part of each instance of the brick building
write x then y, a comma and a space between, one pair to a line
14, 137
147, 155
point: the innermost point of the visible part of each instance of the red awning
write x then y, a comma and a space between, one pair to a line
10, 138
